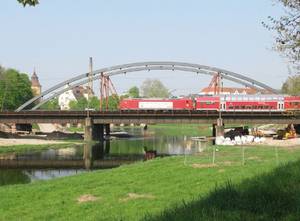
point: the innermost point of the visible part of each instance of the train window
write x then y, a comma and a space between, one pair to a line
233, 98
257, 98
227, 98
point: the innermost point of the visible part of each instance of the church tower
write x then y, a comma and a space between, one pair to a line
35, 84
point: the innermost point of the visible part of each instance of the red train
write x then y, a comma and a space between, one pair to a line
216, 103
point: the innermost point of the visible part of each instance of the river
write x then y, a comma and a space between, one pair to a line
52, 163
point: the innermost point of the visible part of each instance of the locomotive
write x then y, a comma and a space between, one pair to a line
227, 103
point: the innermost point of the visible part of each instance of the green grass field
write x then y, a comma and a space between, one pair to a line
266, 187
183, 129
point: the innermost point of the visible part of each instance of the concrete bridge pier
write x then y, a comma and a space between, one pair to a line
218, 129
88, 128
87, 155
88, 138
94, 138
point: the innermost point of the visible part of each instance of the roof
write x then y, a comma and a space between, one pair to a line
229, 90
80, 91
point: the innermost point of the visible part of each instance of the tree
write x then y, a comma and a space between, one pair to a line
134, 92
292, 85
154, 88
29, 2
80, 104
287, 28
113, 102
94, 103
51, 105
15, 89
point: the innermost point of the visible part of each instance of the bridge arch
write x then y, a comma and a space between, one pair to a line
142, 66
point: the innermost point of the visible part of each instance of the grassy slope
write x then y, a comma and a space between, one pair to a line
184, 129
171, 181
270, 196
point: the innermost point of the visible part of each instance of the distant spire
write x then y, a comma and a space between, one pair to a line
35, 79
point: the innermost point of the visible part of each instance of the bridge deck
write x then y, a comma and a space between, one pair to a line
137, 117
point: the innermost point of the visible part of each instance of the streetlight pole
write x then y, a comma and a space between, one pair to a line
90, 86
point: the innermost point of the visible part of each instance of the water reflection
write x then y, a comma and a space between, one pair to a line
50, 174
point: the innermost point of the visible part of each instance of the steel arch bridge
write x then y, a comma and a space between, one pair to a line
71, 83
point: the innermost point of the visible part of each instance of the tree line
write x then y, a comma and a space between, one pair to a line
15, 89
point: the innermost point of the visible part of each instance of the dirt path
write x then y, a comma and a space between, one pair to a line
282, 143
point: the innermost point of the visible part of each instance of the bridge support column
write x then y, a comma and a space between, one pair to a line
219, 128
87, 155
88, 129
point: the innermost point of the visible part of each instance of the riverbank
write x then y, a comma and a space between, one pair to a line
182, 188
18, 146
13, 142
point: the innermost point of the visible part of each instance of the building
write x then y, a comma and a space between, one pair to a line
73, 95
216, 87
81, 91
227, 90
35, 84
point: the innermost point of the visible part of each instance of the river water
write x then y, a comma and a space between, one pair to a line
52, 163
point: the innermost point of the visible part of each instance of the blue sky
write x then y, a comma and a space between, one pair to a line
58, 37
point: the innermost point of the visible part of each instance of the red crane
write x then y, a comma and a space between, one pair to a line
216, 83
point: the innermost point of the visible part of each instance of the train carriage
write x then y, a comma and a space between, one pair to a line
227, 103
292, 103
207, 103
252, 103
157, 104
